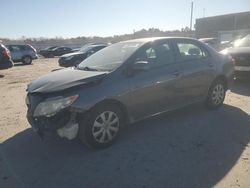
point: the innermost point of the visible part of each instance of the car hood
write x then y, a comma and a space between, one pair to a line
63, 79
238, 50
74, 53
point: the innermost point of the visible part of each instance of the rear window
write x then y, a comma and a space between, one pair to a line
190, 51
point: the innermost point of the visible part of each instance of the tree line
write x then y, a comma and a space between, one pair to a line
43, 42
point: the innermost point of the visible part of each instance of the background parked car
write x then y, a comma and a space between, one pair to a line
44, 51
215, 43
5, 58
58, 51
22, 53
241, 54
73, 59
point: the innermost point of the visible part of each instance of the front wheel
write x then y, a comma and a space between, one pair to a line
27, 60
102, 126
216, 94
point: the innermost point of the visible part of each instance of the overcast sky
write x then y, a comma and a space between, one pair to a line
72, 18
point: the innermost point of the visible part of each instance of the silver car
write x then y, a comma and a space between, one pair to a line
126, 82
22, 53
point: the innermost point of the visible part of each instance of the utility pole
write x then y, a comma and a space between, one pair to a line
191, 19
204, 12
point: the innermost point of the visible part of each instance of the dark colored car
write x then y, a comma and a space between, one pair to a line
126, 82
213, 42
241, 54
73, 59
44, 51
58, 51
216, 43
5, 58
22, 53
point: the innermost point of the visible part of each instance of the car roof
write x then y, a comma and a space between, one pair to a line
96, 45
152, 39
17, 45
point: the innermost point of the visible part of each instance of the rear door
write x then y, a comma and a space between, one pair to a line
197, 70
153, 90
16, 52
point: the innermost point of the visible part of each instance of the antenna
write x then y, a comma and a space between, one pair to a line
204, 12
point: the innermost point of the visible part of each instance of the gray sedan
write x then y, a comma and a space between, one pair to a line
124, 83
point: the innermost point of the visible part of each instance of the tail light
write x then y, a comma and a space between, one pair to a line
32, 48
6, 53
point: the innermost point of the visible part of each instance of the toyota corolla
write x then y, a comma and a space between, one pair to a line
126, 82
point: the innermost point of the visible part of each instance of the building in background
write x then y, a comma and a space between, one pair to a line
225, 27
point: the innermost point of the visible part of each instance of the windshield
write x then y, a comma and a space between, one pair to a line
111, 57
51, 48
86, 48
244, 42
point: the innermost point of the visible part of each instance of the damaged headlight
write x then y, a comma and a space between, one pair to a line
51, 106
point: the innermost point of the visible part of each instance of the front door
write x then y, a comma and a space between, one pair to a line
153, 90
16, 52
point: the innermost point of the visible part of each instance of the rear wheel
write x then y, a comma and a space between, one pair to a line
102, 126
216, 94
27, 60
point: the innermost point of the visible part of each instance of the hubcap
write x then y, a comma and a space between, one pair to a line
106, 127
218, 94
27, 60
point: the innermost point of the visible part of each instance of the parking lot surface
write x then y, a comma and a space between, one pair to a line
192, 147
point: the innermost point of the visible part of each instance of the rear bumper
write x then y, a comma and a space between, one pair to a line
35, 57
242, 71
242, 74
6, 64
242, 68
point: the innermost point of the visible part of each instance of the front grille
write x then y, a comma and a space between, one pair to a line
50, 124
242, 59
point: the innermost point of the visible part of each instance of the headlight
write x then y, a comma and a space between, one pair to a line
51, 106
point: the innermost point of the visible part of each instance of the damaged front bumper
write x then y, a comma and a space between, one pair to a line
63, 123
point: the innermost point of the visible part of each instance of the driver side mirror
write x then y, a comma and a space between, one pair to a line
141, 66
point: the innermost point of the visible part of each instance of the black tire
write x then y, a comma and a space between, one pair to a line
77, 62
216, 94
26, 60
51, 56
89, 122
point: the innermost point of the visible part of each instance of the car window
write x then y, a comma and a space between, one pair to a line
15, 48
189, 51
99, 48
24, 48
157, 55
150, 53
